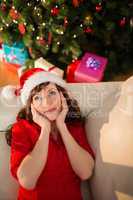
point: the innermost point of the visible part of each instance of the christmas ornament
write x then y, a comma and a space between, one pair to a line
21, 28
14, 14
99, 7
122, 22
88, 20
41, 41
88, 30
3, 7
55, 11
76, 2
49, 38
65, 22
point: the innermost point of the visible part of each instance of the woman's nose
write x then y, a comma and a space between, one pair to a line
46, 102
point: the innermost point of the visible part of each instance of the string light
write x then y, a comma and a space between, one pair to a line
81, 25
58, 43
74, 36
16, 22
43, 24
37, 37
1, 28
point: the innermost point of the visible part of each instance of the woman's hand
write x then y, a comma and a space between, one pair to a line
60, 120
41, 120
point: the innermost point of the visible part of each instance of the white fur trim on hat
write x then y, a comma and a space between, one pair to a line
36, 79
8, 97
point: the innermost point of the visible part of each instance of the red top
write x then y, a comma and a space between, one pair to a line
58, 180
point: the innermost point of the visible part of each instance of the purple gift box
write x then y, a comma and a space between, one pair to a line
91, 68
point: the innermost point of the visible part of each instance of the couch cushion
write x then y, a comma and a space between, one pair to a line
8, 185
110, 181
95, 101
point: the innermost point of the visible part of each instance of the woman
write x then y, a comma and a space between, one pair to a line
50, 154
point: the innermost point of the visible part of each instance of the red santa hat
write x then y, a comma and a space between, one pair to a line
29, 80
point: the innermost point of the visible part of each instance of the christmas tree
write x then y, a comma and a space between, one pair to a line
63, 30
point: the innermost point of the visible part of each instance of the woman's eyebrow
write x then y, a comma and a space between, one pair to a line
51, 89
47, 91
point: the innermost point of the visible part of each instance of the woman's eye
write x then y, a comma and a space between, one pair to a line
37, 98
52, 93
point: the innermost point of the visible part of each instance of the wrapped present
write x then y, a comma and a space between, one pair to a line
91, 68
44, 64
71, 70
2, 55
8, 74
16, 54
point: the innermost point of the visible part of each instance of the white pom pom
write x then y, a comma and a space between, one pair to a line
8, 96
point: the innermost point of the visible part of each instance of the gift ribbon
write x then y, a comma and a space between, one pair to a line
12, 56
51, 68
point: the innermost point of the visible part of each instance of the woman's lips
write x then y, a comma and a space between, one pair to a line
51, 110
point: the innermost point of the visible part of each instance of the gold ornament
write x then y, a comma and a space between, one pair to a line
88, 20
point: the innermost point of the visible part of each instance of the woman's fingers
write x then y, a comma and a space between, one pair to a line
34, 111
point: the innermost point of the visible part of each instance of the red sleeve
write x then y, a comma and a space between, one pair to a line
20, 147
81, 138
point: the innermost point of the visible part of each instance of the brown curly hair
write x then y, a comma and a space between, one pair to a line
73, 115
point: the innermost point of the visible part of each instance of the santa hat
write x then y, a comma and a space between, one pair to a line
29, 80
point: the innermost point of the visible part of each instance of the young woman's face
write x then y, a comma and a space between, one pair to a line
48, 102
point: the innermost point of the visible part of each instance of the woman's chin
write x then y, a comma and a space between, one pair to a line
51, 117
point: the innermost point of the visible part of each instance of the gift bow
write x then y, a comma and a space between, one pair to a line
93, 63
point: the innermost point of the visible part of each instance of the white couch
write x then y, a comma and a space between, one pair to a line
110, 181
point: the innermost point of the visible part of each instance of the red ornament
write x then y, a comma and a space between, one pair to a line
122, 22
76, 2
88, 30
55, 11
30, 50
3, 7
21, 28
41, 41
49, 38
14, 14
98, 7
71, 70
65, 21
